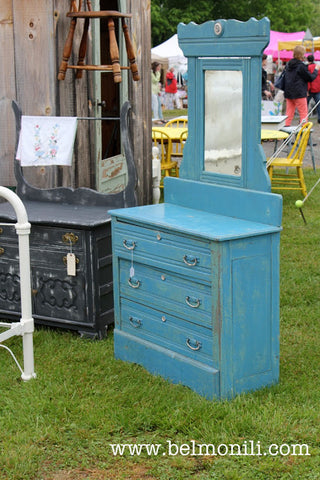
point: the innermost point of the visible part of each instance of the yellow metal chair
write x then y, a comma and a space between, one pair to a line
178, 123
161, 140
291, 181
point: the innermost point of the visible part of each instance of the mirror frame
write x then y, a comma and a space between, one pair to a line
225, 45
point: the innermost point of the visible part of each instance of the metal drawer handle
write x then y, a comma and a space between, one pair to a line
135, 322
65, 261
1, 251
197, 344
193, 302
70, 238
134, 283
129, 245
190, 261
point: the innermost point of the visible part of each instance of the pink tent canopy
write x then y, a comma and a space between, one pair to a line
275, 37
285, 55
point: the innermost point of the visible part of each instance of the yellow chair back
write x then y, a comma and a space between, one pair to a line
300, 144
177, 122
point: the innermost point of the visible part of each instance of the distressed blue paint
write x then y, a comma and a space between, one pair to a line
233, 280
196, 279
224, 200
247, 42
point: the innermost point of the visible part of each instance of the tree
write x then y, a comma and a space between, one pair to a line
283, 16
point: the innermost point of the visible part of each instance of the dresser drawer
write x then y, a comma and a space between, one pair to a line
46, 236
8, 232
168, 331
166, 291
192, 258
56, 258
52, 237
8, 251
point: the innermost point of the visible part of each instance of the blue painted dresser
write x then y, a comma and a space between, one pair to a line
196, 279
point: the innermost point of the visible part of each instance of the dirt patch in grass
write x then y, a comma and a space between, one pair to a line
133, 472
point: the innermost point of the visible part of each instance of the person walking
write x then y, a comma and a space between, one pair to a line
171, 91
314, 86
266, 84
297, 77
157, 115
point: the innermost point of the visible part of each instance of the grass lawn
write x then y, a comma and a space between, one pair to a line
168, 114
60, 425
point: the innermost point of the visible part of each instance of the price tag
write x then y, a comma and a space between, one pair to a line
131, 272
71, 264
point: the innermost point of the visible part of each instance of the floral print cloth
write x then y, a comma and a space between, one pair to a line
46, 140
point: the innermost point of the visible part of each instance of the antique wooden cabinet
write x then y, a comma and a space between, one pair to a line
196, 279
81, 301
70, 250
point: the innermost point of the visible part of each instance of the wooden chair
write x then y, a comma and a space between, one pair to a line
183, 138
177, 122
310, 143
169, 168
294, 181
77, 12
177, 147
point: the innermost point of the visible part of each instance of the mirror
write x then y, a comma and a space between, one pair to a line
223, 122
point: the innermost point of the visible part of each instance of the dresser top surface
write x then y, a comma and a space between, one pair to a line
60, 214
193, 222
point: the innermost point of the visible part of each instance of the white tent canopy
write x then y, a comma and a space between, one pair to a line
170, 52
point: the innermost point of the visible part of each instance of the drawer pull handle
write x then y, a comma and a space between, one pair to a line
1, 230
129, 245
197, 345
135, 322
1, 251
70, 238
65, 261
193, 302
134, 283
190, 261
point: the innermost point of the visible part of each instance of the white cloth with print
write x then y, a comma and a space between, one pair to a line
46, 140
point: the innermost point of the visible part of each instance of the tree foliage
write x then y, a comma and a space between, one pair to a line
284, 16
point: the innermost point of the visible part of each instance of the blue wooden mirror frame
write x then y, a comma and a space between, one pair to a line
226, 45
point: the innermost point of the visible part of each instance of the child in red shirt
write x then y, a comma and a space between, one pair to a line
171, 91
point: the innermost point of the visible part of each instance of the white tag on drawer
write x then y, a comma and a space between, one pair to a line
71, 264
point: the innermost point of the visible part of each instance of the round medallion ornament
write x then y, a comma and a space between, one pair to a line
218, 29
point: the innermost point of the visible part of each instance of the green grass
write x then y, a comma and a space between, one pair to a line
60, 425
168, 114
